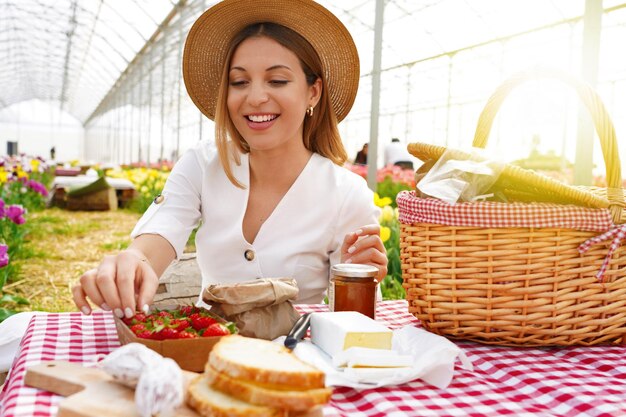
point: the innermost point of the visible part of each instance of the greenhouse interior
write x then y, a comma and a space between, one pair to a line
487, 132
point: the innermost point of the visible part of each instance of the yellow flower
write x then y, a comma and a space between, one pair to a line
4, 176
34, 164
381, 202
385, 233
386, 215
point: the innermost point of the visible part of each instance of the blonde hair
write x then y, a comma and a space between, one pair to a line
320, 133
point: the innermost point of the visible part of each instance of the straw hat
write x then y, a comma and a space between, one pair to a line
209, 38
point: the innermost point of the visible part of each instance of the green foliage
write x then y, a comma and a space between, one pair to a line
391, 286
15, 192
389, 188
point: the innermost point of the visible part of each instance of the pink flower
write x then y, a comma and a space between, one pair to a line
37, 187
15, 213
4, 256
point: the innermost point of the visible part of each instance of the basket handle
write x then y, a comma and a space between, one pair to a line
602, 121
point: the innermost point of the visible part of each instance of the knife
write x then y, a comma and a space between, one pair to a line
298, 331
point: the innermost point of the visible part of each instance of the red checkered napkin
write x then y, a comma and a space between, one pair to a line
494, 214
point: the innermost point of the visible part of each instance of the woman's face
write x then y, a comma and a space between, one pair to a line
268, 94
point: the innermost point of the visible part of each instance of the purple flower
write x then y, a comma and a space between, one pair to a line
4, 256
2, 211
37, 187
15, 213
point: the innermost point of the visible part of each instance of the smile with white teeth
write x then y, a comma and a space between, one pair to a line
258, 118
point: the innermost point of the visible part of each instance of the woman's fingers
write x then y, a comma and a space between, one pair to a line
89, 288
147, 286
79, 296
364, 246
126, 274
351, 238
106, 281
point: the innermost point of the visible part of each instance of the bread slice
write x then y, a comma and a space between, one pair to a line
212, 403
263, 362
265, 395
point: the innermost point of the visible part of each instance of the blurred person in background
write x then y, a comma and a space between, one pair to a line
361, 156
397, 154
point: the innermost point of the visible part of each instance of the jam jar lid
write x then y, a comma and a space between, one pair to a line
354, 270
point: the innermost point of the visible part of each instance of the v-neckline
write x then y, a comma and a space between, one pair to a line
278, 205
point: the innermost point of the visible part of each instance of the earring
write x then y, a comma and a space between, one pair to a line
309, 111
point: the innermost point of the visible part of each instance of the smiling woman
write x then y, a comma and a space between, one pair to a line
276, 76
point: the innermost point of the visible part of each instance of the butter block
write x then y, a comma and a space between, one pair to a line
337, 331
359, 357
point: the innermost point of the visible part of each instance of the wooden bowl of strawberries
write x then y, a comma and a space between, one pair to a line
184, 333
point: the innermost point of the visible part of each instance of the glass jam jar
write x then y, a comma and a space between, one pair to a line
353, 288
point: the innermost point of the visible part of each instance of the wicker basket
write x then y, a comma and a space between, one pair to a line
528, 285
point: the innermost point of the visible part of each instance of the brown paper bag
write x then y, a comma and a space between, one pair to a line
260, 308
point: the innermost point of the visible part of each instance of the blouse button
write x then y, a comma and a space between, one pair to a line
159, 199
249, 254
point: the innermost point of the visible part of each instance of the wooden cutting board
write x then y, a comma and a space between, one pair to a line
90, 392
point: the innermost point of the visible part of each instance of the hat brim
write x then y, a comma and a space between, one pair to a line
209, 38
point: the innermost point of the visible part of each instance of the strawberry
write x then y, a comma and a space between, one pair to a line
187, 310
139, 317
216, 329
179, 324
137, 328
146, 334
166, 333
199, 322
187, 335
165, 314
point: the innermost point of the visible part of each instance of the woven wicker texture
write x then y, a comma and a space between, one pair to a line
521, 286
207, 44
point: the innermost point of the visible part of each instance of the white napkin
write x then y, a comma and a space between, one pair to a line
158, 381
11, 332
433, 362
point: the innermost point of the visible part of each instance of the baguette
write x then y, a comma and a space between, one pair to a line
283, 397
263, 362
212, 403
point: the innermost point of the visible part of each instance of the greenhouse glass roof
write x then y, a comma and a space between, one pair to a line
73, 51
70, 51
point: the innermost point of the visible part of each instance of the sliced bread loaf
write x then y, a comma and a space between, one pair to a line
209, 402
263, 362
265, 395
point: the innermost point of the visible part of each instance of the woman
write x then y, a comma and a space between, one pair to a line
272, 199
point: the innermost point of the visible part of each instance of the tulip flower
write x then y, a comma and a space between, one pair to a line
4, 255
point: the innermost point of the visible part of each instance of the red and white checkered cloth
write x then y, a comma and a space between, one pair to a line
573, 381
494, 214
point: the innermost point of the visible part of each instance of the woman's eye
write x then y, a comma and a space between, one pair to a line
237, 83
279, 82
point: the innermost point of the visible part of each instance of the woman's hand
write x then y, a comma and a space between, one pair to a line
121, 283
364, 246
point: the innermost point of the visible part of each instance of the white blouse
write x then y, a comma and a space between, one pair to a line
301, 238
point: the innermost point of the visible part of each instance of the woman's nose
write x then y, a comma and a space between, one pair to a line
257, 94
